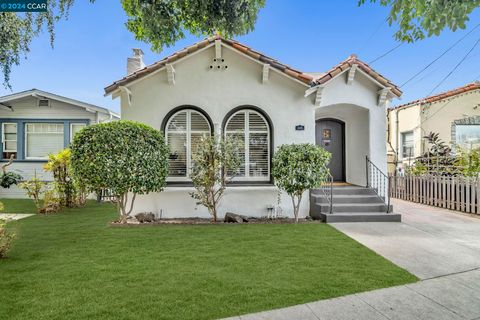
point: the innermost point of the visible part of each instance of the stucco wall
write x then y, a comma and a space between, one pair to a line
436, 117
217, 92
356, 137
408, 120
365, 126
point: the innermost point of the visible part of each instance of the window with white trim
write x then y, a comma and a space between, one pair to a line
183, 131
42, 139
252, 130
74, 128
467, 135
9, 139
407, 144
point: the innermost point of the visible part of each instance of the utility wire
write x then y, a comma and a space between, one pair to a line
455, 68
386, 53
373, 34
440, 56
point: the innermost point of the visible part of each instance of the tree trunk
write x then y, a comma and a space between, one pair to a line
214, 214
296, 206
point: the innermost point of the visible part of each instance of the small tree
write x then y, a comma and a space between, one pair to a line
6, 238
297, 168
123, 157
214, 163
34, 188
59, 165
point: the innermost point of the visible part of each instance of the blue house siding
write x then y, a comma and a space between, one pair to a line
21, 133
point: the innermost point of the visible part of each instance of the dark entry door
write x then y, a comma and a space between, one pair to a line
330, 135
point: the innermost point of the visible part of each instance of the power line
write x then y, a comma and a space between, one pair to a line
440, 56
386, 53
373, 34
436, 111
456, 66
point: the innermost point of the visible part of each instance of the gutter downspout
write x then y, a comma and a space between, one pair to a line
390, 142
396, 136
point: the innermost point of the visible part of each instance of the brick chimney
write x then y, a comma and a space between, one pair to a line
135, 62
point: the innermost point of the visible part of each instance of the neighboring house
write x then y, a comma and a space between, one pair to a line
220, 86
35, 123
454, 115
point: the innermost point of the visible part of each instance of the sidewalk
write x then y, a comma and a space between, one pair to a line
14, 216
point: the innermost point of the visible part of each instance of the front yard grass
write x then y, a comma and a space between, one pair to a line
18, 206
73, 265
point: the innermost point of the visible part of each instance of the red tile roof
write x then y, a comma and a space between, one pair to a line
349, 62
444, 95
304, 77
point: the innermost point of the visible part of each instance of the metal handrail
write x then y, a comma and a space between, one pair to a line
378, 181
326, 187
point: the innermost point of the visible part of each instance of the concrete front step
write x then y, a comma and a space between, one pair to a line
350, 204
353, 207
366, 198
360, 217
350, 190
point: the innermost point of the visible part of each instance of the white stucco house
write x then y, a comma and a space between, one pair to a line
220, 86
35, 123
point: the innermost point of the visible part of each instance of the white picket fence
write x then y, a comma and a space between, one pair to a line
455, 193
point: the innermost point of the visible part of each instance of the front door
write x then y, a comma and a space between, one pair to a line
330, 135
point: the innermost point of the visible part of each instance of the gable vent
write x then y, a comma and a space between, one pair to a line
43, 103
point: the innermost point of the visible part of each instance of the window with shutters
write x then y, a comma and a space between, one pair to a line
252, 130
42, 139
183, 131
9, 140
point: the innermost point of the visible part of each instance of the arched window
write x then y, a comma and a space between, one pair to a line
183, 131
253, 130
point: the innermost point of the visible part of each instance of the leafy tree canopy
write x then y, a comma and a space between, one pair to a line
160, 23
418, 19
214, 161
297, 168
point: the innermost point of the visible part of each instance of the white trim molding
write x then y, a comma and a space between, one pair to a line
170, 74
265, 72
351, 74
382, 96
318, 96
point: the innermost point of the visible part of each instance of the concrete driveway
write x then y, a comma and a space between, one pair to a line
440, 247
430, 242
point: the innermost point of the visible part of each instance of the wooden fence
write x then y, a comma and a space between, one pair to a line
455, 193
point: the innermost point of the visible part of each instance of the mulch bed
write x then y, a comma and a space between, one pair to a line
203, 221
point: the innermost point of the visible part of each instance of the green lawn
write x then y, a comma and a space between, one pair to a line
73, 265
18, 206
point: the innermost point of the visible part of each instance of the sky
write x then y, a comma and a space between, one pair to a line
92, 46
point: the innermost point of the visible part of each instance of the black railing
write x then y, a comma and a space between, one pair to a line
327, 189
378, 182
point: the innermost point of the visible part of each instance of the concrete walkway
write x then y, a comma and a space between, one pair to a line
14, 216
440, 247
430, 242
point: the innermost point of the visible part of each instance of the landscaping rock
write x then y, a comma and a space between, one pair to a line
145, 217
234, 218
